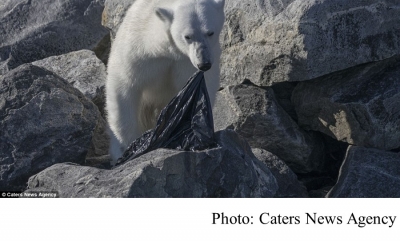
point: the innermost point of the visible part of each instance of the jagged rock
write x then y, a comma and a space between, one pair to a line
83, 70
272, 41
287, 181
230, 170
35, 29
43, 120
359, 106
368, 172
254, 113
114, 13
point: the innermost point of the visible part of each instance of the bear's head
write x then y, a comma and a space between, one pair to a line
194, 27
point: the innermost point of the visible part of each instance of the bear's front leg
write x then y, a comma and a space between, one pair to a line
122, 115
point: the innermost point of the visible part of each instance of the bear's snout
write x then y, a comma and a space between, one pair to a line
204, 66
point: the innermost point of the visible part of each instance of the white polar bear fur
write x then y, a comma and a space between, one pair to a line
156, 50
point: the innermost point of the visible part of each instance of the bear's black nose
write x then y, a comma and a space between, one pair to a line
204, 66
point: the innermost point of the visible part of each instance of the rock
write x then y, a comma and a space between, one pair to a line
114, 13
102, 162
287, 181
43, 120
283, 93
230, 170
83, 70
102, 50
254, 113
294, 40
359, 106
368, 172
99, 145
35, 29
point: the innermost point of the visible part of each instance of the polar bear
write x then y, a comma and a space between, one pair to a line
159, 45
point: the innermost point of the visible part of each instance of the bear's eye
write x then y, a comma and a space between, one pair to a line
210, 34
187, 37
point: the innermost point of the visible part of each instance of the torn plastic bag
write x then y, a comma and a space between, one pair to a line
186, 123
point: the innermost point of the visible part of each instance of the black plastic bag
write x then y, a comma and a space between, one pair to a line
186, 123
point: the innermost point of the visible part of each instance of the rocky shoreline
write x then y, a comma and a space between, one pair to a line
309, 104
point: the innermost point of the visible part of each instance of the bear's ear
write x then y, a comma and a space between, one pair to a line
220, 3
165, 15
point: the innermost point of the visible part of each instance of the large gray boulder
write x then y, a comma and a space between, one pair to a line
359, 106
272, 41
43, 120
230, 170
83, 70
368, 173
35, 29
254, 113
